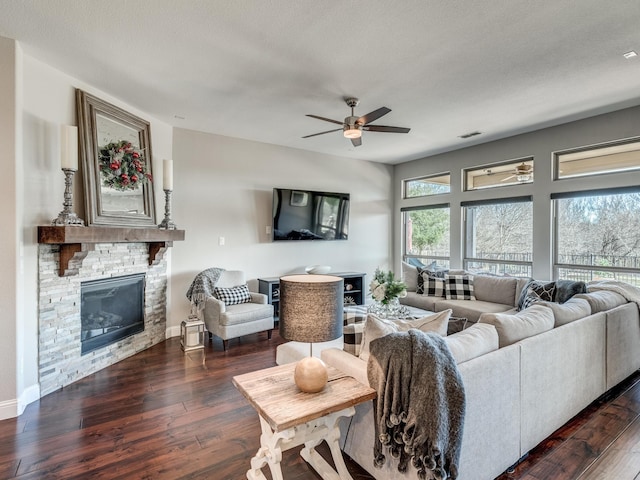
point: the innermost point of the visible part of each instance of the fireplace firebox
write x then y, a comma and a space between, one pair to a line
111, 309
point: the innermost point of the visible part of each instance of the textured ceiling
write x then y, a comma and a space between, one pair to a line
253, 69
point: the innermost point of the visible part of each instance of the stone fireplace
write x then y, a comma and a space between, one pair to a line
61, 358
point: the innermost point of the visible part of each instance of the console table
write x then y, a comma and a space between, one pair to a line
354, 289
290, 418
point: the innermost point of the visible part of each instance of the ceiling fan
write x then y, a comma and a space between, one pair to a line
522, 173
353, 126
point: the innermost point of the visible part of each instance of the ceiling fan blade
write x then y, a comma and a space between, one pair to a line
356, 141
322, 133
325, 119
373, 116
382, 128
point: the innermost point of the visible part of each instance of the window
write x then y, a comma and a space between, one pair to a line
424, 186
513, 172
499, 236
598, 235
611, 158
426, 235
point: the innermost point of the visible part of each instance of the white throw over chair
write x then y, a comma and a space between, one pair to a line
233, 321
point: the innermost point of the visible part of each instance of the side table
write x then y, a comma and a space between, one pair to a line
290, 418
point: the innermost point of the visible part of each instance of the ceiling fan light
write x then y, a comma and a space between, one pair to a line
352, 132
523, 177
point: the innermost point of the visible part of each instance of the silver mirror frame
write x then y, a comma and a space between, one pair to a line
88, 108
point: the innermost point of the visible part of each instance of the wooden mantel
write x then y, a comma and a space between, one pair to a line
76, 242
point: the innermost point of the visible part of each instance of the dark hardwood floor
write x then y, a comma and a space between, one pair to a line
165, 415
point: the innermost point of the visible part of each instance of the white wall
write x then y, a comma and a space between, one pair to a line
10, 238
540, 145
223, 188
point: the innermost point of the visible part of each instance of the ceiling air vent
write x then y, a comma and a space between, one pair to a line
468, 135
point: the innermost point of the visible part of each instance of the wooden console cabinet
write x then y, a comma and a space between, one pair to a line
354, 289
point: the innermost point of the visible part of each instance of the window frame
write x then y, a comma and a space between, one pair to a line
589, 148
466, 260
556, 266
405, 255
406, 181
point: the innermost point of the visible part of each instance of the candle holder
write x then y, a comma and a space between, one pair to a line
167, 223
66, 216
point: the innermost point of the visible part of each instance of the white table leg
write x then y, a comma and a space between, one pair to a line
272, 444
332, 437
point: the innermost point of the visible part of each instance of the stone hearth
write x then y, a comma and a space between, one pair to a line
60, 359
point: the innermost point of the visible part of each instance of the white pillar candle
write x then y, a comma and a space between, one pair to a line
193, 338
69, 147
167, 177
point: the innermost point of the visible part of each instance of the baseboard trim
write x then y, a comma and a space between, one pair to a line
29, 395
8, 409
172, 332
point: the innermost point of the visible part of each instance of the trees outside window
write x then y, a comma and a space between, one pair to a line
427, 235
598, 236
499, 237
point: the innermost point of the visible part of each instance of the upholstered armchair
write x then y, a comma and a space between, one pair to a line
236, 311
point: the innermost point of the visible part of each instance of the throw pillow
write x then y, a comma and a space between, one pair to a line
459, 287
233, 295
457, 324
535, 291
352, 336
376, 327
432, 271
565, 289
434, 286
410, 276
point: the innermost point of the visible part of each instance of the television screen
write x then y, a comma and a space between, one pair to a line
310, 215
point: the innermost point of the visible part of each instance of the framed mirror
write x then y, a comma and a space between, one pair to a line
115, 148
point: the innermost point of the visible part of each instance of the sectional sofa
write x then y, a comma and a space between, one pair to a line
525, 374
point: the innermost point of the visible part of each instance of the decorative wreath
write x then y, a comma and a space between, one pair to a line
122, 166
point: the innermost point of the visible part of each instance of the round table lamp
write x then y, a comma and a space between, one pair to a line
311, 310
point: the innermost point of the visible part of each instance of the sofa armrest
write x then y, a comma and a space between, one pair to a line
260, 298
347, 363
214, 307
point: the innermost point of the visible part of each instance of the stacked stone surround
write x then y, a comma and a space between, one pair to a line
60, 360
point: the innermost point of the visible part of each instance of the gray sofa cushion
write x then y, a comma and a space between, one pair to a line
420, 301
470, 309
602, 300
569, 311
495, 289
514, 327
472, 342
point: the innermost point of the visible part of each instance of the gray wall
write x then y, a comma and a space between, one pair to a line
540, 145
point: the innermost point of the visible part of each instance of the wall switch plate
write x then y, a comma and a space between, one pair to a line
268, 229
221, 241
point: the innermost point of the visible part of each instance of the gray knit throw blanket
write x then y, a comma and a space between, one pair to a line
420, 407
202, 286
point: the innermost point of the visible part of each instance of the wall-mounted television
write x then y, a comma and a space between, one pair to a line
310, 215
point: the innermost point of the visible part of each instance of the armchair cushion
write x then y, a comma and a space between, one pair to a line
233, 295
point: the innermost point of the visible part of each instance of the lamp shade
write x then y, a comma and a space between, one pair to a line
311, 307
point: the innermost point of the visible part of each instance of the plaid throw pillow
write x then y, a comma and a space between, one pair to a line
459, 287
352, 335
233, 295
424, 274
435, 287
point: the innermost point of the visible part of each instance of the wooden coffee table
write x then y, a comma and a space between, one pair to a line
290, 418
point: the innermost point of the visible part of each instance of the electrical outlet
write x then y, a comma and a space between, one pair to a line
221, 241
268, 229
